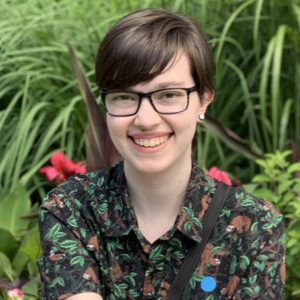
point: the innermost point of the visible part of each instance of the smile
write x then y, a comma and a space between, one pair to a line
151, 143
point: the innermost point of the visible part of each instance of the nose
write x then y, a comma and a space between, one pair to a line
146, 116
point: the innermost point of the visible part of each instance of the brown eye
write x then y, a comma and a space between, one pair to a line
169, 95
121, 97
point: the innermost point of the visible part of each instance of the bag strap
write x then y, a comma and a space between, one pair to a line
193, 256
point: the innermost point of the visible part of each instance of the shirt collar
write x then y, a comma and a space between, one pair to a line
189, 221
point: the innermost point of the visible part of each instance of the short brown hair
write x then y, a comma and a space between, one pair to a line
142, 44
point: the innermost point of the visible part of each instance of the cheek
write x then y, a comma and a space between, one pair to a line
118, 128
114, 128
188, 127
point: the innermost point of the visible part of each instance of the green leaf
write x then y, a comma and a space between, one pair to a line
247, 203
254, 227
268, 226
233, 265
129, 278
253, 279
16, 205
72, 221
284, 186
31, 288
244, 262
31, 245
187, 226
297, 185
259, 265
55, 232
248, 291
291, 243
262, 257
257, 289
77, 260
5, 267
294, 168
20, 262
57, 281
8, 242
156, 253
261, 178
69, 244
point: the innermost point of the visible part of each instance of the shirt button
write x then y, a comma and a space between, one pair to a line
265, 207
91, 247
230, 228
86, 276
147, 249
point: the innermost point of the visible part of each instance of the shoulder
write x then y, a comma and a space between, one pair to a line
79, 189
250, 214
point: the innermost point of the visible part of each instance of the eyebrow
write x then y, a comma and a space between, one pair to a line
163, 85
170, 84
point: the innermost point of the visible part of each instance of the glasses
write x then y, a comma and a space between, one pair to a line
165, 101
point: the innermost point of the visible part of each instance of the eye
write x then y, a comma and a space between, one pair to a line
122, 97
169, 95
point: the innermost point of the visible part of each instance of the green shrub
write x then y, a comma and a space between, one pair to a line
279, 183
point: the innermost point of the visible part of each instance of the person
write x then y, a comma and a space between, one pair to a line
123, 232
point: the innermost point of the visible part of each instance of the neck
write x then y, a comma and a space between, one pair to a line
158, 194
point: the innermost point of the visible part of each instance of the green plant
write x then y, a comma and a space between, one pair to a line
258, 94
257, 53
279, 182
20, 244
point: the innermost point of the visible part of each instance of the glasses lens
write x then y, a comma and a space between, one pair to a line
121, 103
170, 100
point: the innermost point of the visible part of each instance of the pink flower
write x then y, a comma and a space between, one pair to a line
216, 173
15, 294
62, 168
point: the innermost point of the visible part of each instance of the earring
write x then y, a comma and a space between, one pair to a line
201, 117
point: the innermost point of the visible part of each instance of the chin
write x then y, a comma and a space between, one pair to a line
150, 167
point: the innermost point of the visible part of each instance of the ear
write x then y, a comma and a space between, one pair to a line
205, 101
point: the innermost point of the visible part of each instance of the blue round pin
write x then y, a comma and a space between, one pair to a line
208, 284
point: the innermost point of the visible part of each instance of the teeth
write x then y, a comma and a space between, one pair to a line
151, 142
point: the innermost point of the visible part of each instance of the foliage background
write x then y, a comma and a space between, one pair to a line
256, 45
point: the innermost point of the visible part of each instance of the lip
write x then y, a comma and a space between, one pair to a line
149, 135
149, 139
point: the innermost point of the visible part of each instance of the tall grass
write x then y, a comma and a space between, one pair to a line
41, 108
257, 56
256, 48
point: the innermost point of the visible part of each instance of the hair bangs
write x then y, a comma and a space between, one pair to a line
145, 44
140, 59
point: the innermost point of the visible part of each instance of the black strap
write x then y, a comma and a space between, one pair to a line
193, 256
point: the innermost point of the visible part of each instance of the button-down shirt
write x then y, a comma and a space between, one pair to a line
92, 243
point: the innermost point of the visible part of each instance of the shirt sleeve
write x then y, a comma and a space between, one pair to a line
67, 267
264, 278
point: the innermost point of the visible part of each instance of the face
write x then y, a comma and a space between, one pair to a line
152, 143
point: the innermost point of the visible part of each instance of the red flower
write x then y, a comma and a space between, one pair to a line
62, 168
216, 173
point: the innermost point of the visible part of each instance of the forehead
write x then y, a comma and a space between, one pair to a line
176, 74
